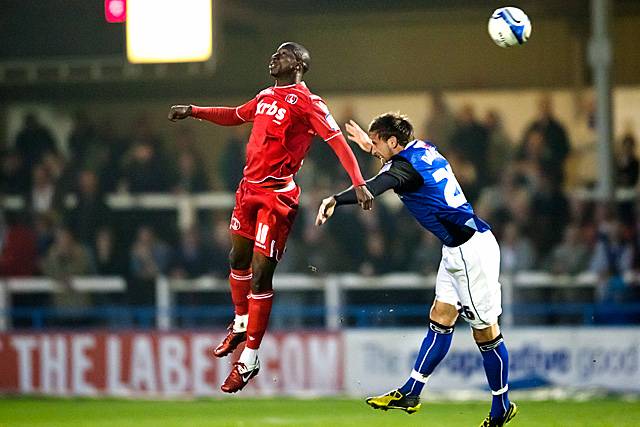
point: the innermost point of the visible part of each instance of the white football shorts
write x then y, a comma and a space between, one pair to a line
468, 279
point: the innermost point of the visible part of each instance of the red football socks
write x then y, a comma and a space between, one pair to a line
240, 282
259, 311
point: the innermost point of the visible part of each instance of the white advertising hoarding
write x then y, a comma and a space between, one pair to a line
585, 358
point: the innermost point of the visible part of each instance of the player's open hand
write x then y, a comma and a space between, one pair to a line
364, 196
360, 137
326, 210
179, 112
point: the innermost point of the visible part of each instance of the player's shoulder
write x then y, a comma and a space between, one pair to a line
309, 96
266, 92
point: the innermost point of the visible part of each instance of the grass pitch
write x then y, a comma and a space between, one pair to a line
239, 412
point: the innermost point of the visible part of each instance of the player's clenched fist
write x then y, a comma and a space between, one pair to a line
179, 112
364, 196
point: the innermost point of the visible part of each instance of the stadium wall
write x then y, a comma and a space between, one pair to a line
354, 362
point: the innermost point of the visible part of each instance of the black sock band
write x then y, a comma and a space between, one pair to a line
490, 345
440, 329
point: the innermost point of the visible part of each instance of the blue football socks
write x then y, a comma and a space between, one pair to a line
434, 347
496, 365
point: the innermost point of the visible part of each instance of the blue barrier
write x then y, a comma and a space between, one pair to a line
143, 317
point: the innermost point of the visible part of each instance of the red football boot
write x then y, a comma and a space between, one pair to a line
239, 377
230, 342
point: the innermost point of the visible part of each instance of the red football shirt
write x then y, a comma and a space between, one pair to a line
285, 118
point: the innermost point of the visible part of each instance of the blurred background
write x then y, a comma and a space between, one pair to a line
114, 221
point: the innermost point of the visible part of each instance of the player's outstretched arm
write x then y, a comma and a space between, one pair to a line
339, 145
326, 210
224, 116
179, 112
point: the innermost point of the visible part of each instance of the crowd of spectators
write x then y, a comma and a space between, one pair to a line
68, 228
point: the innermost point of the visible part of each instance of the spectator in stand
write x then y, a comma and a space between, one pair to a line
143, 172
612, 257
192, 258
494, 201
571, 256
43, 190
516, 251
63, 175
500, 149
519, 210
109, 260
33, 141
67, 257
65, 260
109, 156
45, 228
149, 258
90, 212
627, 163
549, 213
149, 255
83, 140
18, 248
582, 162
533, 159
441, 123
14, 177
470, 141
555, 137
191, 177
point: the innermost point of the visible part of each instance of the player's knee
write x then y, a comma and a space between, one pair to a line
239, 260
444, 314
261, 281
486, 334
262, 275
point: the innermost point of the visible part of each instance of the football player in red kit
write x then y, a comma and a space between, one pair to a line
285, 118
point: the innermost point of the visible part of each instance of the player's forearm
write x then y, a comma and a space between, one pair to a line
224, 116
376, 185
339, 146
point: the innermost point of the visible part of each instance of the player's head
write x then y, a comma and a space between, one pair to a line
289, 60
390, 133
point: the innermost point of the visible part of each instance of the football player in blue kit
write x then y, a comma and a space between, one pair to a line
467, 280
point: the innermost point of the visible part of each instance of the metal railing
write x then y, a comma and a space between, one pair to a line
336, 291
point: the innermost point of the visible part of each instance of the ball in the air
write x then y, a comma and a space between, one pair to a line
509, 26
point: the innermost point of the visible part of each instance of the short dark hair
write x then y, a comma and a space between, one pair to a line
393, 124
300, 52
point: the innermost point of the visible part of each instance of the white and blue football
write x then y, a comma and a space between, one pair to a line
509, 26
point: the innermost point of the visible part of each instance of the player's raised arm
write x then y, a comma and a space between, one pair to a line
360, 137
224, 116
327, 128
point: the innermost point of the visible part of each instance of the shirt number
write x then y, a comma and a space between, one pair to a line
453, 194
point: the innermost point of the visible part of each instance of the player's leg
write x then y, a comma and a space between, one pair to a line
495, 359
434, 347
274, 221
260, 303
480, 306
240, 283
